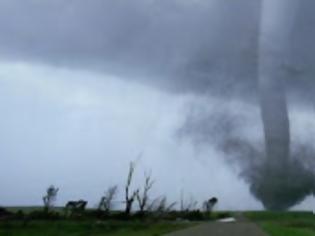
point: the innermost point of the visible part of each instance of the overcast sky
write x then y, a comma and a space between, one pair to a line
88, 86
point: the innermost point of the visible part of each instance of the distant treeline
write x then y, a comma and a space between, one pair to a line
147, 207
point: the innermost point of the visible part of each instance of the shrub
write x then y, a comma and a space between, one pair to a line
5, 214
44, 215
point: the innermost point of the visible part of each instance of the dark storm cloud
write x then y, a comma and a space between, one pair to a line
254, 51
172, 44
184, 45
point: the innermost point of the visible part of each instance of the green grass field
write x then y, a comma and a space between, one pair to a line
285, 223
273, 223
28, 209
86, 228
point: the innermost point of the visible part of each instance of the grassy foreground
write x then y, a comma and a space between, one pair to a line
285, 223
86, 228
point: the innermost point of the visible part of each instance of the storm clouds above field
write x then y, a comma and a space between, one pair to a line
161, 43
176, 45
87, 86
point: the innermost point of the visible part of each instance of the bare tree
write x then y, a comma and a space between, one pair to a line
106, 202
50, 197
144, 196
187, 205
209, 204
75, 207
160, 205
191, 204
129, 198
154, 204
182, 206
164, 206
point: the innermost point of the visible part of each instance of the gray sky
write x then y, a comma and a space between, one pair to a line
88, 86
80, 134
